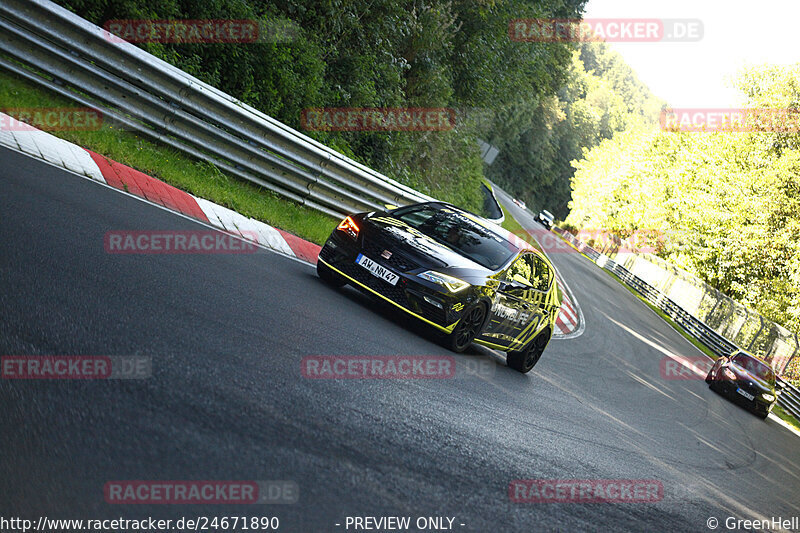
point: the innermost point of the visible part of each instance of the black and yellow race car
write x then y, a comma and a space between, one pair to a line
468, 278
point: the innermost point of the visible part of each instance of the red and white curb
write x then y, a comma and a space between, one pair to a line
61, 153
568, 320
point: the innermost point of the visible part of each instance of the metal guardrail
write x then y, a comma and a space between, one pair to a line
52, 47
788, 399
746, 328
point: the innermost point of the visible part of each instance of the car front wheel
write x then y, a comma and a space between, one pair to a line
525, 359
467, 328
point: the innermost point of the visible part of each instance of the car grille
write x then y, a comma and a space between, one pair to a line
397, 261
395, 293
745, 386
360, 274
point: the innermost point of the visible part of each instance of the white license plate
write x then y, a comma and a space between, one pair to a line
746, 395
377, 270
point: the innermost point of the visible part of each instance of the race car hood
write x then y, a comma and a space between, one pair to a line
743, 375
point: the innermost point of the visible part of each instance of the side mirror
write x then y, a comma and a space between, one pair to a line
519, 278
506, 286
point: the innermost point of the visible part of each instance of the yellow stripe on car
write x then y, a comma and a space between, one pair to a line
447, 329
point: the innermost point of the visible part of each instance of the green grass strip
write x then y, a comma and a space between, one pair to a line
511, 224
196, 177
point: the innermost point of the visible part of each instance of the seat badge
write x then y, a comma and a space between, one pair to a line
386, 254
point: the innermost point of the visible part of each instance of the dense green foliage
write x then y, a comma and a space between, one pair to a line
728, 203
384, 53
601, 97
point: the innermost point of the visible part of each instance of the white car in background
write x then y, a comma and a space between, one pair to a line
546, 218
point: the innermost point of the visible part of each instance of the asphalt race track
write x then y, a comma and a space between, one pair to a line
226, 401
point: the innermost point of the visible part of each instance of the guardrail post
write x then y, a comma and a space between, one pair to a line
714, 307
794, 354
750, 346
726, 319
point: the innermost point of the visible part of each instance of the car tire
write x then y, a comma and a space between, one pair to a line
710, 376
524, 360
467, 328
329, 276
762, 414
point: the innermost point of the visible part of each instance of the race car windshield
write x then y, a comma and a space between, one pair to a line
754, 366
463, 235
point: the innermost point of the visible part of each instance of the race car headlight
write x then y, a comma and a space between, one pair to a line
452, 284
768, 397
728, 373
348, 226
